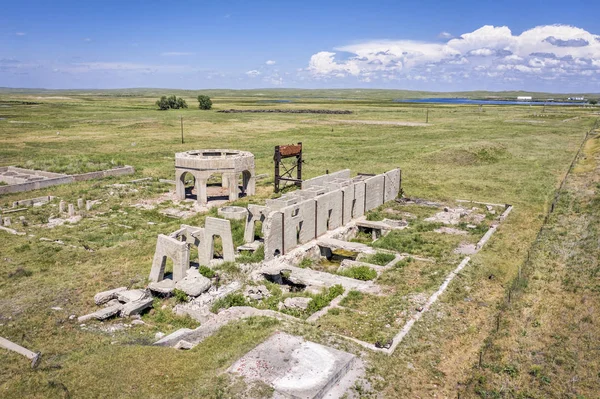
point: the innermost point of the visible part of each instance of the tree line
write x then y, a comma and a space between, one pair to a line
174, 102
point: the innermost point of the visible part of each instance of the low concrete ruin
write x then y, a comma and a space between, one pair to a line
176, 246
20, 179
11, 346
202, 164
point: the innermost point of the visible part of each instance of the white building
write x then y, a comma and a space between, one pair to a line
524, 98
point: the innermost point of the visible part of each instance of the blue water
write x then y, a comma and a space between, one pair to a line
479, 102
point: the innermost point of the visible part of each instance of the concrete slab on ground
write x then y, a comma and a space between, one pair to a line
295, 368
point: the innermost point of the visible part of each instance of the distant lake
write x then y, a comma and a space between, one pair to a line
479, 102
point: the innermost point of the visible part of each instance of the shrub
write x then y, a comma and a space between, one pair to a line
206, 271
228, 302
593, 102
204, 102
171, 102
180, 296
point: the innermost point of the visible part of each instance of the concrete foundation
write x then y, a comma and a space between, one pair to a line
293, 367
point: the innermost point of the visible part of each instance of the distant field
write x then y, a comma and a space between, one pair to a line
499, 154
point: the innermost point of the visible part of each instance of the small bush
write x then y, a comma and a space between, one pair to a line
180, 296
204, 102
228, 302
364, 273
206, 271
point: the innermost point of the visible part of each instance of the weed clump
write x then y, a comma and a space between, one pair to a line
379, 258
229, 301
364, 273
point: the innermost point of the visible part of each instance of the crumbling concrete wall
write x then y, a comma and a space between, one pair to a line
216, 227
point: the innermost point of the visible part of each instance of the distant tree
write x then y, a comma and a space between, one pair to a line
163, 103
171, 102
181, 103
204, 102
593, 102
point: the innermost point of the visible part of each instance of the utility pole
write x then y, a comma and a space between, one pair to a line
181, 129
427, 116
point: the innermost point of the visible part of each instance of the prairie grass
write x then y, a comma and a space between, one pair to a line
494, 156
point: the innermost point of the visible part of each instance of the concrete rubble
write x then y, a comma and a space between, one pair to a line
296, 303
11, 346
119, 301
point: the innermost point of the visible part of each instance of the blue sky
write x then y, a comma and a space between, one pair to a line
420, 45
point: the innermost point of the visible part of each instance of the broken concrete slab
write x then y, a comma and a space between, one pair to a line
296, 303
101, 314
256, 292
11, 346
194, 283
105, 296
294, 367
164, 287
136, 307
131, 295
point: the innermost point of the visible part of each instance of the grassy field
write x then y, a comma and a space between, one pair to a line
499, 154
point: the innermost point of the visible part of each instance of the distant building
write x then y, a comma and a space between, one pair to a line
524, 98
576, 98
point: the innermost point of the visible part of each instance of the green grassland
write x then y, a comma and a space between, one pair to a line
499, 154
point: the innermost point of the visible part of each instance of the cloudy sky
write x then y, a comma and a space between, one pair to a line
419, 45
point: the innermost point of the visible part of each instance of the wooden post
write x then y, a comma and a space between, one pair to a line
427, 116
182, 130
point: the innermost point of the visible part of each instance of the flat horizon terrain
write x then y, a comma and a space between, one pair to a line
502, 154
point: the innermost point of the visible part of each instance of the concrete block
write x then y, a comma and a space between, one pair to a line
164, 287
105, 296
297, 303
88, 205
131, 295
273, 235
216, 227
177, 251
102, 314
71, 210
61, 206
194, 283
136, 307
7, 222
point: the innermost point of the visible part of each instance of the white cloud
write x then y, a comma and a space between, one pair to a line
445, 35
87, 39
271, 62
176, 53
490, 51
20, 33
253, 73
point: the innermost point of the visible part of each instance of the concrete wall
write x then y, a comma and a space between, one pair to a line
324, 203
49, 182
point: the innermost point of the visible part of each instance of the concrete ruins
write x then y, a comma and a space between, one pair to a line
324, 203
176, 247
202, 164
20, 179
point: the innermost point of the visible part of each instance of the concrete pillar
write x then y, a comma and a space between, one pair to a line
179, 185
224, 182
233, 187
88, 205
201, 191
80, 203
61, 206
7, 222
71, 210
